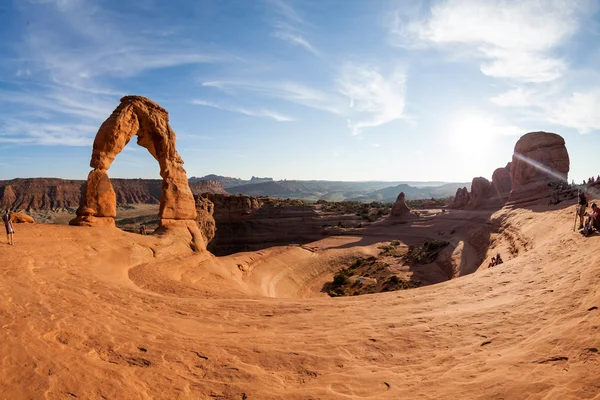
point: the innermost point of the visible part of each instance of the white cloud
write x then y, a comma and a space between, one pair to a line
516, 97
515, 39
374, 99
253, 113
289, 91
47, 134
575, 109
289, 25
297, 40
578, 111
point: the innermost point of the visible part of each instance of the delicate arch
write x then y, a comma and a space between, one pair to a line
141, 117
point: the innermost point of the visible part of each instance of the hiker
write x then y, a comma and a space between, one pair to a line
142, 229
582, 205
9, 228
499, 259
593, 221
492, 263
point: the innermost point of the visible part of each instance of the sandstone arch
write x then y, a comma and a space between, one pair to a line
141, 117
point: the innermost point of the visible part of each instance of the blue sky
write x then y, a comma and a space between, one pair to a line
305, 89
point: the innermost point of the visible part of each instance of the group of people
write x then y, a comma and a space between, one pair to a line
496, 261
10, 231
593, 220
592, 180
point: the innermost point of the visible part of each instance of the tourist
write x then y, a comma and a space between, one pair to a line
9, 228
142, 229
492, 263
581, 207
593, 221
499, 259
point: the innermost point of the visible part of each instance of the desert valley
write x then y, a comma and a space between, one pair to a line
341, 293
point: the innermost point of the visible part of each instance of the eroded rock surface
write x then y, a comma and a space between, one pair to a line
400, 208
502, 182
461, 199
21, 218
141, 117
539, 158
205, 219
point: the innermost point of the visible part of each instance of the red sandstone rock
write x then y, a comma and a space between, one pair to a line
481, 193
150, 122
21, 218
461, 199
400, 208
501, 182
539, 158
205, 220
50, 194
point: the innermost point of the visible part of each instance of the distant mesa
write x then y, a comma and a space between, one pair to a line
230, 182
141, 117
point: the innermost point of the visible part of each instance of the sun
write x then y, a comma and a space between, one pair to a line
472, 133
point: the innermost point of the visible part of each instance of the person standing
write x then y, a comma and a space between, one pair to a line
582, 205
9, 228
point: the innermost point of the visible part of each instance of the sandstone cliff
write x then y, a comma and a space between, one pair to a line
48, 194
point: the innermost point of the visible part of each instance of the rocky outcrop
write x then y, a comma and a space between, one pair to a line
139, 116
539, 159
246, 223
502, 182
205, 219
400, 208
461, 199
481, 193
21, 218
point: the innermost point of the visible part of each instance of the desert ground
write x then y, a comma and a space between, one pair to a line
99, 313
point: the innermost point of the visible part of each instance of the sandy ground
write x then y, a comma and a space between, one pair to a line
98, 313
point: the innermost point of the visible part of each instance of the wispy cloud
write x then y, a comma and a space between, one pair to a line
253, 113
375, 99
69, 59
516, 40
47, 134
290, 91
289, 25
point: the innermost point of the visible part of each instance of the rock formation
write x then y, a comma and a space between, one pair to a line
400, 208
481, 193
150, 122
246, 223
461, 199
539, 158
501, 182
21, 218
205, 220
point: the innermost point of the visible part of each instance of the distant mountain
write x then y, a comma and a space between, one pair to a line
339, 191
228, 181
389, 194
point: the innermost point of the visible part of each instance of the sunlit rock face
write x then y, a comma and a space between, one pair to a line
539, 159
141, 117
